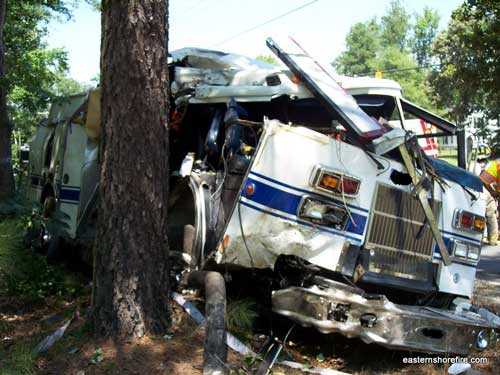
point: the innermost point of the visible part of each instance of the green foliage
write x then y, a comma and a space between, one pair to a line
97, 356
66, 86
267, 59
468, 78
424, 32
401, 67
17, 205
396, 47
35, 74
240, 317
363, 44
21, 361
395, 25
95, 4
27, 275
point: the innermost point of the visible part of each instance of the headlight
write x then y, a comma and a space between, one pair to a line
466, 250
473, 253
460, 249
322, 213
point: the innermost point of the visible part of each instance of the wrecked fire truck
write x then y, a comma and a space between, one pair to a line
64, 174
315, 179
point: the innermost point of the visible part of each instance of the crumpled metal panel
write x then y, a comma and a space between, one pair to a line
266, 237
335, 307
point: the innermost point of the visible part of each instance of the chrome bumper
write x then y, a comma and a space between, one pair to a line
331, 306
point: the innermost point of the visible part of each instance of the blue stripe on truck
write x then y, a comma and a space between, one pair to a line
277, 199
71, 194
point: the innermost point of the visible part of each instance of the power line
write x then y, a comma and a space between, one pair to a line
395, 70
264, 23
192, 7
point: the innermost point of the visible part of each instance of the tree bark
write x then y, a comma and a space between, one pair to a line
131, 251
6, 176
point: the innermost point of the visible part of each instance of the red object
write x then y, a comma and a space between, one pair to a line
250, 189
466, 220
350, 186
339, 184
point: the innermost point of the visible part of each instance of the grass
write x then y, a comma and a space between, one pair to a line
27, 275
240, 317
30, 290
21, 360
448, 155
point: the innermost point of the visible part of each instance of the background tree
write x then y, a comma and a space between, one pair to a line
395, 25
267, 59
32, 74
468, 55
402, 67
131, 263
363, 43
395, 46
6, 177
424, 33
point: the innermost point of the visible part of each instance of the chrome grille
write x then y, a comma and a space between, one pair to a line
399, 240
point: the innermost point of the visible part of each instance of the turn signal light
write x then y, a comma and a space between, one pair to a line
468, 221
336, 183
479, 223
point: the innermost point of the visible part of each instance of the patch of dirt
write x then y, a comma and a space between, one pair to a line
487, 294
79, 353
181, 352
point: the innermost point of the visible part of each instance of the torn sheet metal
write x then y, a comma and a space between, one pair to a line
210, 59
331, 306
214, 76
321, 82
266, 236
268, 220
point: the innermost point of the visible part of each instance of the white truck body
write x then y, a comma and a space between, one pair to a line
250, 146
281, 177
63, 161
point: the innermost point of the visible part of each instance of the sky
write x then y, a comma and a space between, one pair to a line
320, 27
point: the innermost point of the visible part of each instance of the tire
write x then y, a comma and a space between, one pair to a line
52, 248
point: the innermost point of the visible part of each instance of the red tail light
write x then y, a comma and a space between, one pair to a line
350, 186
468, 221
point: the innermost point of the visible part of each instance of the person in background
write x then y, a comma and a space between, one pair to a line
490, 177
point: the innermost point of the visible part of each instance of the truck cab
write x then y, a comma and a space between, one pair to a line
325, 181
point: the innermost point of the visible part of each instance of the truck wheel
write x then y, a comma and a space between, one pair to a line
52, 245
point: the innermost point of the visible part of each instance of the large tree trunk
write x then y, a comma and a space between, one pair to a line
131, 263
6, 177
